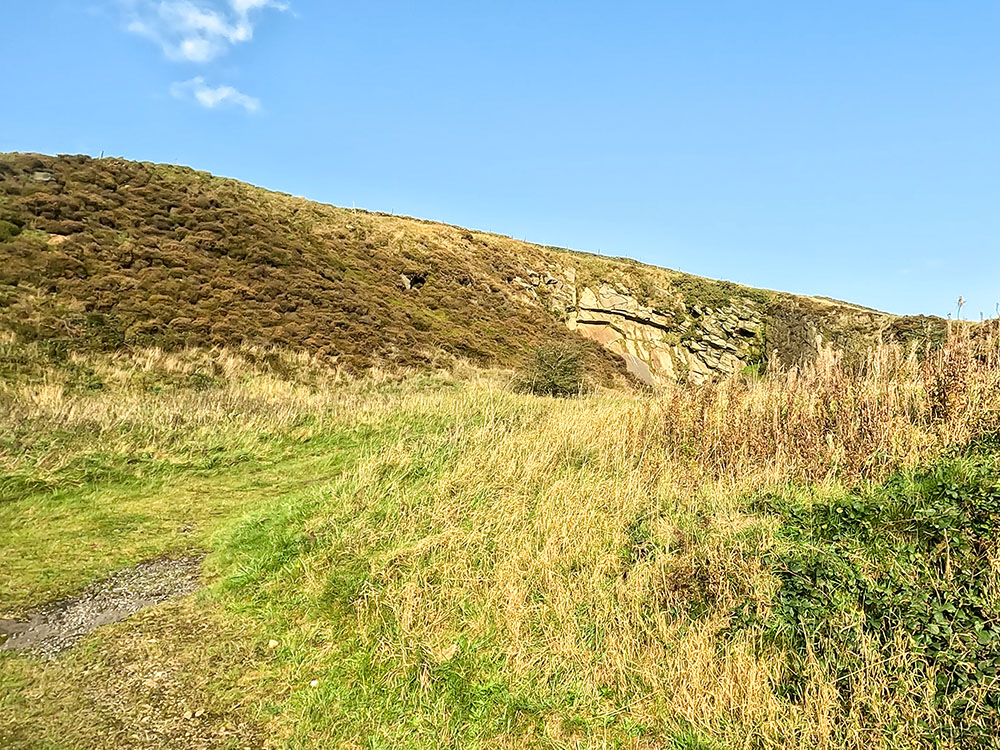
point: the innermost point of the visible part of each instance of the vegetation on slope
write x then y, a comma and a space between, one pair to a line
103, 254
110, 253
900, 581
808, 559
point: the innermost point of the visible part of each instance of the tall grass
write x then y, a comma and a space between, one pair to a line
828, 419
496, 569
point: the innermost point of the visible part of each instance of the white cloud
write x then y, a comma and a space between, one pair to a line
195, 30
212, 97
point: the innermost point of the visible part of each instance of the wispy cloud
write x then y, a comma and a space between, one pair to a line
212, 97
197, 32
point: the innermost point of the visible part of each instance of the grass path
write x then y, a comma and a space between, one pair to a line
435, 564
300, 540
62, 540
144, 674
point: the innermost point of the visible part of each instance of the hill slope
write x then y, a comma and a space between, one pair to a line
106, 253
804, 563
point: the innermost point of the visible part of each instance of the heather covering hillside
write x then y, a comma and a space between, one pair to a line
105, 253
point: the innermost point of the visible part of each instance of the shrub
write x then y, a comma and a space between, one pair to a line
911, 560
8, 230
554, 370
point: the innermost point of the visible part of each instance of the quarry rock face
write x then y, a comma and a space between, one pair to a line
683, 343
660, 348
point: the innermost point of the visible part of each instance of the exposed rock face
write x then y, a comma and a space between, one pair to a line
704, 330
659, 344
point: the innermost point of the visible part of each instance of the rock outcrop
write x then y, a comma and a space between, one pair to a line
659, 344
668, 333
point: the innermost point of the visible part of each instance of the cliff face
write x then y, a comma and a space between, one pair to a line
659, 344
658, 347
108, 253
670, 327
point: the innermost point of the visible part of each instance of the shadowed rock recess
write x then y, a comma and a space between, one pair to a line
109, 253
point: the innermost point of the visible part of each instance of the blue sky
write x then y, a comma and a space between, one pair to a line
849, 149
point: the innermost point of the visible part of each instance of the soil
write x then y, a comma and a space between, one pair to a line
57, 626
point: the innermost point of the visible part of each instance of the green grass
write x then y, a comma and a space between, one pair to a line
302, 531
447, 563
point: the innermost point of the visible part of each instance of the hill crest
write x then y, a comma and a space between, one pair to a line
108, 253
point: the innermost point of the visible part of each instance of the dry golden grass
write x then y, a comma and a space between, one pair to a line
588, 552
830, 420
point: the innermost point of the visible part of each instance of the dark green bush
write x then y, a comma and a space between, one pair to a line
555, 369
913, 558
8, 230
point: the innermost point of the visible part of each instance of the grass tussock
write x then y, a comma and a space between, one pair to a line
849, 422
806, 560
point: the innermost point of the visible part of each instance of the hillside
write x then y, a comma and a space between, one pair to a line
242, 504
110, 253
793, 563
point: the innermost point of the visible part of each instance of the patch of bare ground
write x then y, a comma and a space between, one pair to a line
174, 676
57, 626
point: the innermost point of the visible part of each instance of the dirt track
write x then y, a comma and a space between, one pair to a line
54, 627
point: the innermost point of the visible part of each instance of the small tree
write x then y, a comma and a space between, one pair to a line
555, 369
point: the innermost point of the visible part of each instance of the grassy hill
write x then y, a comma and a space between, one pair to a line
114, 253
391, 553
792, 561
109, 253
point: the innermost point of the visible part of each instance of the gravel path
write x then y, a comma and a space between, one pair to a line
57, 626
